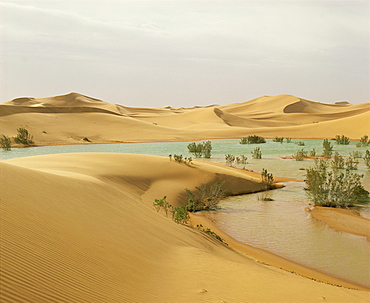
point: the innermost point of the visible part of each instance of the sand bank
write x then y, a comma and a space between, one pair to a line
81, 227
71, 118
342, 219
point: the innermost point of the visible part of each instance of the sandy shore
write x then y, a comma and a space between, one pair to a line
82, 227
342, 219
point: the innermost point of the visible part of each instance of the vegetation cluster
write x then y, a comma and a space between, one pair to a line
334, 187
23, 137
254, 139
202, 149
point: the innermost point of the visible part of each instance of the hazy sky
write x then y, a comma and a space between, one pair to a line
185, 53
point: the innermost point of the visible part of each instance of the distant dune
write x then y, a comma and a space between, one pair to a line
70, 118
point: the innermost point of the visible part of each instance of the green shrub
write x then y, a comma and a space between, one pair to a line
257, 153
241, 160
212, 233
5, 143
288, 140
200, 149
162, 203
206, 149
278, 139
351, 163
252, 140
337, 162
205, 197
334, 188
229, 159
195, 149
342, 140
367, 159
313, 152
300, 143
356, 154
364, 141
180, 214
328, 149
23, 137
300, 155
267, 179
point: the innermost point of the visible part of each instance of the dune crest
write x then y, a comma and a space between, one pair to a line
70, 118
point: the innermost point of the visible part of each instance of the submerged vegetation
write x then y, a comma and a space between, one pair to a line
257, 153
254, 139
334, 188
202, 149
364, 141
342, 140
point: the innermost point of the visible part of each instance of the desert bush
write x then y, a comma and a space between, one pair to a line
356, 154
313, 152
328, 149
351, 163
181, 160
200, 149
178, 158
334, 188
257, 153
254, 139
267, 179
300, 155
5, 143
162, 203
278, 139
212, 233
241, 160
367, 158
337, 162
205, 197
342, 139
195, 149
300, 143
23, 137
206, 149
180, 214
288, 140
229, 159
364, 141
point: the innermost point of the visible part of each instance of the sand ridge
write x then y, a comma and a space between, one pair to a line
70, 118
82, 228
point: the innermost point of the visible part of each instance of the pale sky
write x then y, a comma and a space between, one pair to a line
185, 53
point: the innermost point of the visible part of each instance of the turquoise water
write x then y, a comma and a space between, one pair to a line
280, 226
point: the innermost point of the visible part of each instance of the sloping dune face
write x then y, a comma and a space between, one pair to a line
81, 228
73, 117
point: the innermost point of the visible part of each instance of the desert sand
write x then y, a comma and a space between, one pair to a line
82, 228
343, 219
71, 118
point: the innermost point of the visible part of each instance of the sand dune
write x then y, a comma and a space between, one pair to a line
71, 118
81, 228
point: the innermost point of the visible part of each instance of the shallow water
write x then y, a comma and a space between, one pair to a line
283, 227
280, 226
